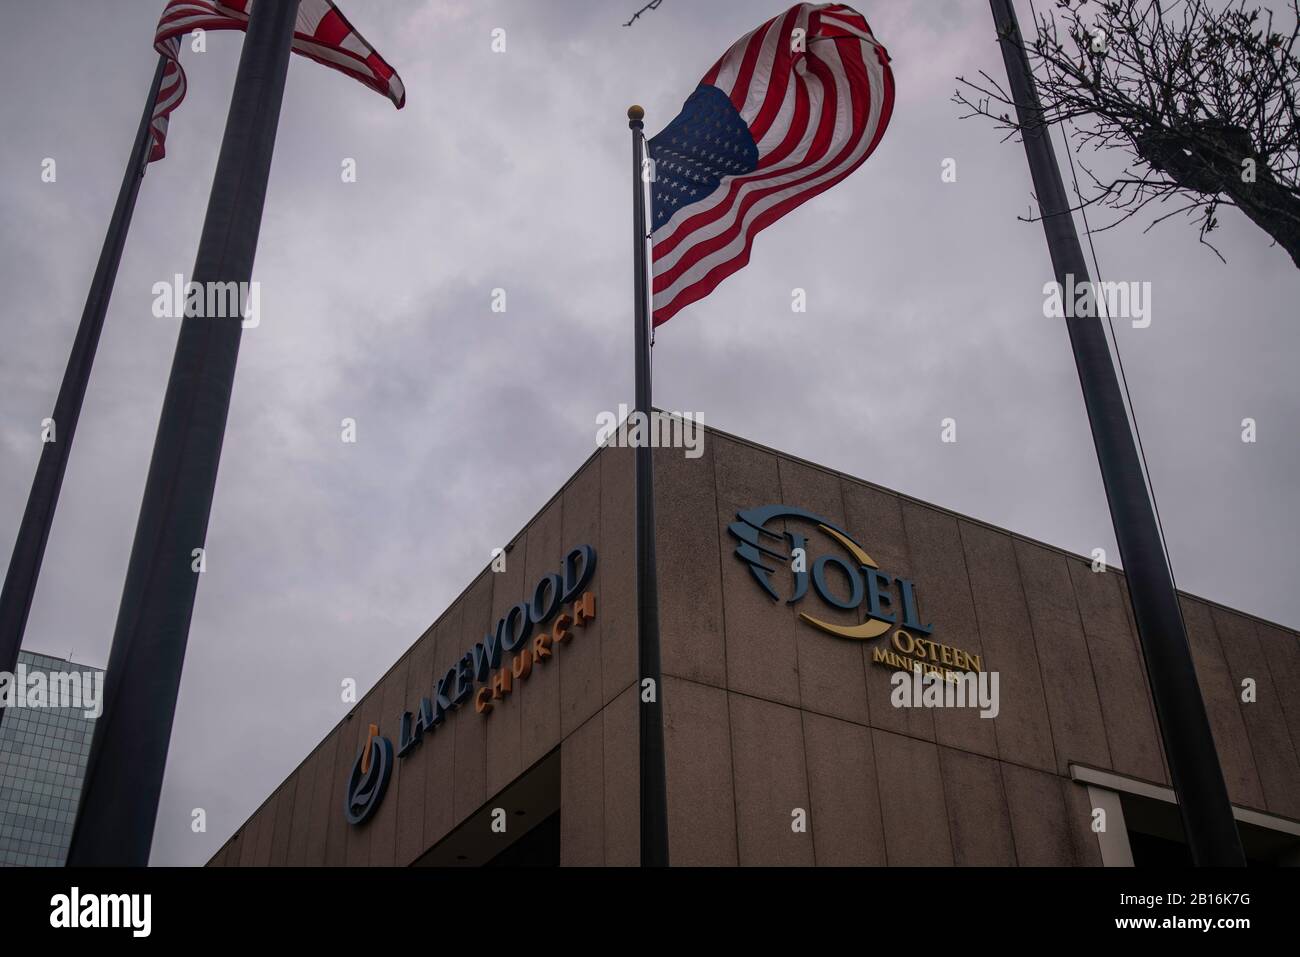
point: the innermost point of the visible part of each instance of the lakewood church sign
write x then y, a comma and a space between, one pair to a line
848, 579
773, 541
525, 637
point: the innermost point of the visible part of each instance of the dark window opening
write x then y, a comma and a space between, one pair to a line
1155, 835
517, 827
540, 847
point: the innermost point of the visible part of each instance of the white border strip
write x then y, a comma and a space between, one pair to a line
1118, 783
1113, 842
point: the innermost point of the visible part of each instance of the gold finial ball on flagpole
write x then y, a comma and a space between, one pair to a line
635, 113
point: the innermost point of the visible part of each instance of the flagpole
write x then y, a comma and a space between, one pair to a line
1189, 744
34, 531
654, 785
119, 802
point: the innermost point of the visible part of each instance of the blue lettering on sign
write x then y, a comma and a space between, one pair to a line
762, 548
512, 632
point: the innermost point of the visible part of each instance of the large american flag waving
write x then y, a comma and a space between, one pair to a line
790, 110
321, 33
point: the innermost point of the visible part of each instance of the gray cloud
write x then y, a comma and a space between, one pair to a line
327, 560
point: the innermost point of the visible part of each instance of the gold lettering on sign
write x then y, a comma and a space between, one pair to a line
540, 649
911, 653
522, 665
584, 609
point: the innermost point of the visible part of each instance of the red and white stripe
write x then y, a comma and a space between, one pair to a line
321, 33
815, 116
170, 94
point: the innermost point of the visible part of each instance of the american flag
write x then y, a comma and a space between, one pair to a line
322, 34
790, 110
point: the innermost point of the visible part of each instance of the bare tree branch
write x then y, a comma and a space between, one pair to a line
652, 5
1203, 103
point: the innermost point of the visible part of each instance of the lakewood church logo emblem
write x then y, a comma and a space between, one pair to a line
369, 778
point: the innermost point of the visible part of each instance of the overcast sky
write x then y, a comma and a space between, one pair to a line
511, 170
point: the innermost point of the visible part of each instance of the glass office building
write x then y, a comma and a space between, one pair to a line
43, 753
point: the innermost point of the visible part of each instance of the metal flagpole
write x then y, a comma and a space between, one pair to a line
119, 801
1189, 745
34, 532
654, 785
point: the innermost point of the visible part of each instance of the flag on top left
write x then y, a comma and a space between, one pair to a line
321, 33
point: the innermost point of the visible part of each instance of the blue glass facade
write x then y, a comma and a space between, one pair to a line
42, 762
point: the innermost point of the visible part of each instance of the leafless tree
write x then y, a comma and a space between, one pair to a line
652, 5
1199, 102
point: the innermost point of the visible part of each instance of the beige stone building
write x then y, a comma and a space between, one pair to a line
785, 740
